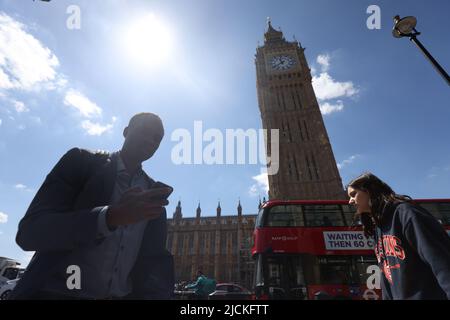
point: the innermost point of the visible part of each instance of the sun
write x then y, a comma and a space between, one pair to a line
147, 41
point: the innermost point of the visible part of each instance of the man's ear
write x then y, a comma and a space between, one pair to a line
125, 132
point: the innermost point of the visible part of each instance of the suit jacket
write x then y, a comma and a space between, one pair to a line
63, 216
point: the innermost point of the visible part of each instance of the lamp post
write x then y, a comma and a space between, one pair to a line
406, 27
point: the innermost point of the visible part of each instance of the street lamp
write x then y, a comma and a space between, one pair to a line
406, 27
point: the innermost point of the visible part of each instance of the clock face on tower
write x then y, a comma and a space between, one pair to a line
282, 62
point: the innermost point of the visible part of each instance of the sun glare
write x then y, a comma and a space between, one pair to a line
147, 41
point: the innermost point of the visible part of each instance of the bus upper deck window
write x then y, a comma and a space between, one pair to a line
324, 215
285, 216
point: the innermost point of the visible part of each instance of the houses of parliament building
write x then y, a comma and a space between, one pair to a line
218, 245
221, 245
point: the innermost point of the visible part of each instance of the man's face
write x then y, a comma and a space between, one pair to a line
142, 138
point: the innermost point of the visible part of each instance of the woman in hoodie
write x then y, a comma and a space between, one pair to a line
412, 247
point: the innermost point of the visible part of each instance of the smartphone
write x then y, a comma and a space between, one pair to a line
160, 185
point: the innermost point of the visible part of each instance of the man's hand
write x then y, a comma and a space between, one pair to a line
136, 205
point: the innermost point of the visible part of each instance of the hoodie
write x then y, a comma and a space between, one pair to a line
413, 252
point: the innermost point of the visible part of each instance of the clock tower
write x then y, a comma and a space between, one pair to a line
307, 168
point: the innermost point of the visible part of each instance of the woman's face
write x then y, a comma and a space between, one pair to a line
360, 199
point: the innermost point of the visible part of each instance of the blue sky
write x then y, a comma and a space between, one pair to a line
385, 108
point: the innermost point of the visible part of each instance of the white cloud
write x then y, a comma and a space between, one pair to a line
324, 61
327, 108
25, 63
1, 121
3, 217
327, 88
261, 185
347, 161
19, 106
95, 129
86, 107
22, 187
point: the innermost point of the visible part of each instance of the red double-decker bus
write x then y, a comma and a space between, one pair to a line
311, 250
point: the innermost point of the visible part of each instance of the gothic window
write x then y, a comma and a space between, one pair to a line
315, 166
308, 165
180, 244
296, 169
282, 100
299, 100
190, 244
223, 243
213, 243
234, 242
293, 100
268, 142
278, 100
300, 130
289, 131
283, 129
186, 244
289, 165
202, 242
306, 130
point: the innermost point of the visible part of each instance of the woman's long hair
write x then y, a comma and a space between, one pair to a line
380, 195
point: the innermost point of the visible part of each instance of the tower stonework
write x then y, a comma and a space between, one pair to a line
307, 167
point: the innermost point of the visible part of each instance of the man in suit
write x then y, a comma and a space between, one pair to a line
101, 218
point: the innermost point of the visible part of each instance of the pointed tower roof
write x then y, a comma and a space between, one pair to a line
219, 209
239, 208
199, 210
271, 34
178, 214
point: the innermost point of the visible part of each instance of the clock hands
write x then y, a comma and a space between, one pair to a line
282, 62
